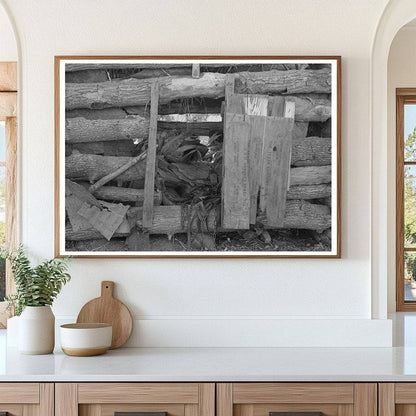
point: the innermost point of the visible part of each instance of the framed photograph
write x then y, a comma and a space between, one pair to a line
199, 156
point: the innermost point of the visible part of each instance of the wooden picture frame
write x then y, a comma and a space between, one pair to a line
209, 151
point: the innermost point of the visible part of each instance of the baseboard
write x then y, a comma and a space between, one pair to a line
250, 332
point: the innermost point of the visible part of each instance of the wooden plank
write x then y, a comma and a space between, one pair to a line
365, 399
138, 393
8, 76
90, 410
47, 399
27, 393
190, 410
405, 393
257, 131
31, 410
386, 399
13, 409
252, 393
149, 182
207, 399
8, 105
224, 403
345, 410
276, 160
66, 399
235, 186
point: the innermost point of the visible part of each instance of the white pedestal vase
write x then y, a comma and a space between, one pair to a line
37, 330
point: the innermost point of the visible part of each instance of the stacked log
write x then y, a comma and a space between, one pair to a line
107, 126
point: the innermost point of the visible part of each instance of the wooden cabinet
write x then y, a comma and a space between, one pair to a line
106, 399
397, 399
27, 399
299, 399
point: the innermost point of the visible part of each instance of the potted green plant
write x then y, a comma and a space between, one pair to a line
36, 289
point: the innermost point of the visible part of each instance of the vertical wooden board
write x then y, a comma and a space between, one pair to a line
276, 106
66, 399
345, 410
90, 410
255, 105
257, 130
386, 399
224, 399
275, 171
191, 410
196, 71
47, 399
365, 399
207, 399
235, 186
31, 410
149, 182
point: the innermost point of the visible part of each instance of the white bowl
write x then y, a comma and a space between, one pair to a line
83, 340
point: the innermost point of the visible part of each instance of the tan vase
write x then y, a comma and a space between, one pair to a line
37, 330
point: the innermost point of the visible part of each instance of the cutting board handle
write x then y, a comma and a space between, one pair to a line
107, 289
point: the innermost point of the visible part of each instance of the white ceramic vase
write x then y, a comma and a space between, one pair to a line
13, 331
37, 330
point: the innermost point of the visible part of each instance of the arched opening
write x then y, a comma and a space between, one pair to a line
396, 15
8, 147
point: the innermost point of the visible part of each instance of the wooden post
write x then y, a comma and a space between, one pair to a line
149, 182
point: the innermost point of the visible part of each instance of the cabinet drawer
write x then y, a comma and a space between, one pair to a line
152, 399
297, 399
22, 399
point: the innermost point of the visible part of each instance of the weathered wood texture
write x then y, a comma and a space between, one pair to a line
79, 129
309, 108
149, 182
87, 167
311, 151
235, 184
129, 195
8, 76
107, 148
93, 167
299, 214
133, 92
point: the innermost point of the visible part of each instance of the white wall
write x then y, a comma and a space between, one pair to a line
401, 74
8, 47
190, 298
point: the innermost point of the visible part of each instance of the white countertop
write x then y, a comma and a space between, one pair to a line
213, 364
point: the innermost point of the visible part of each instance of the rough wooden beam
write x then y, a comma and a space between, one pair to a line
88, 167
129, 195
149, 182
311, 151
133, 92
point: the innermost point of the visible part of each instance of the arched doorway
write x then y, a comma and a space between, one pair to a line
396, 14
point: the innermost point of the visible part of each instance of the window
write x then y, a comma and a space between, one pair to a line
406, 199
8, 170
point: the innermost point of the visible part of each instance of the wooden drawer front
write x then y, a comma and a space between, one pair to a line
138, 393
293, 393
19, 393
331, 399
27, 399
104, 399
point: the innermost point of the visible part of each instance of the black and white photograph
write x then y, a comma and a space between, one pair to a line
198, 156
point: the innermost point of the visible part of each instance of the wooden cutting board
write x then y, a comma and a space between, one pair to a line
107, 309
